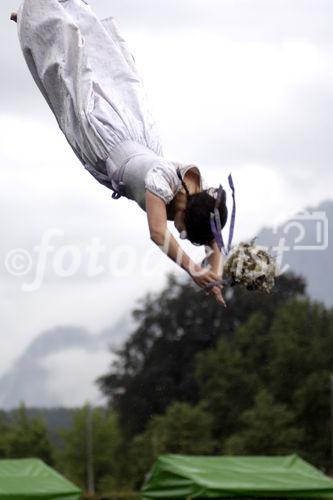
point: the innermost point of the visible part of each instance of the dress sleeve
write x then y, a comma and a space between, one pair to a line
111, 27
184, 168
162, 180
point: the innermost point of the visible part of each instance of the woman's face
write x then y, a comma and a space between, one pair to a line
179, 220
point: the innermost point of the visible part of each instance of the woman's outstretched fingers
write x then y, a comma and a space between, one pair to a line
218, 296
202, 277
13, 17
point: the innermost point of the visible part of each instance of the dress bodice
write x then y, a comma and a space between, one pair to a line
144, 170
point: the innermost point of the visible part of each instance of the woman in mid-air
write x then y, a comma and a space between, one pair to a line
89, 79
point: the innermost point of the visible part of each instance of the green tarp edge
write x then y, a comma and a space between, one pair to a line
180, 477
30, 478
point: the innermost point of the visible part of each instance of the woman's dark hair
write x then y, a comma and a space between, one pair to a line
197, 216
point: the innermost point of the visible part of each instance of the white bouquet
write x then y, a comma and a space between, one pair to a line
251, 266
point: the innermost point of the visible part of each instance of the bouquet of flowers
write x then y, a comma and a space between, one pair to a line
251, 266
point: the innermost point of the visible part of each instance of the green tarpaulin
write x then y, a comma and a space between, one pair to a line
30, 478
183, 477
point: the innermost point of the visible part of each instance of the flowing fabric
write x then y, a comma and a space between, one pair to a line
88, 77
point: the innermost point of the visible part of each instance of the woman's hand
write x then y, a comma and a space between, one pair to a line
159, 233
217, 291
204, 277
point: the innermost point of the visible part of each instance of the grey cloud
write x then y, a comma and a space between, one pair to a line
294, 138
297, 136
272, 20
258, 20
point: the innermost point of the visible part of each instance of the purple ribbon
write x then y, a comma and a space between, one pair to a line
225, 282
215, 220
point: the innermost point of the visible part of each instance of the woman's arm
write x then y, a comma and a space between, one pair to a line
159, 234
214, 258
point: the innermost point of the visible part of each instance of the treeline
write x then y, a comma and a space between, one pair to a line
55, 419
200, 379
22, 436
250, 379
93, 436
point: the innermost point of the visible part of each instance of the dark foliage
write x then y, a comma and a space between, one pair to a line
156, 365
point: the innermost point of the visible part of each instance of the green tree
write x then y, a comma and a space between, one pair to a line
27, 437
184, 429
302, 342
266, 428
3, 436
311, 404
290, 358
262, 364
229, 374
156, 365
105, 440
299, 371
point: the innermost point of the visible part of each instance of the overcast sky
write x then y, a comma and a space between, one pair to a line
241, 86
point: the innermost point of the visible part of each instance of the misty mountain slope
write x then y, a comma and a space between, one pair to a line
60, 366
27, 381
308, 238
56, 420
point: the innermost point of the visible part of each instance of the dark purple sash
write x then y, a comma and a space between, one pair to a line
215, 220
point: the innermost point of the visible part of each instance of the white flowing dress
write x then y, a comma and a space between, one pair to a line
89, 79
